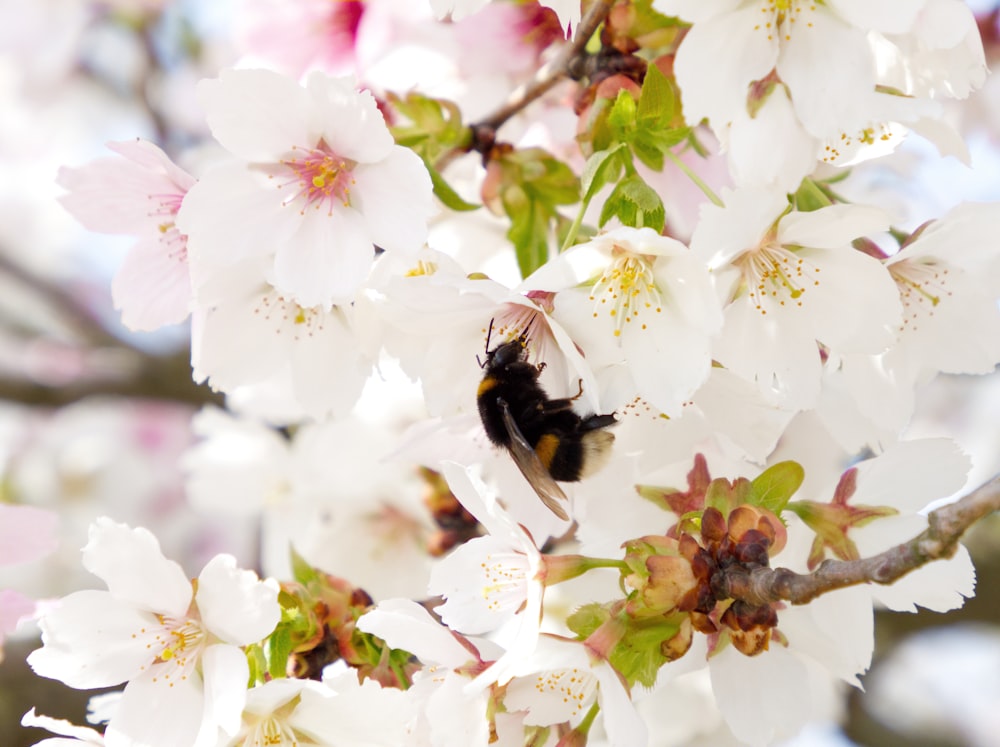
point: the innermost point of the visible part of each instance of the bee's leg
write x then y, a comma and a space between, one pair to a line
561, 405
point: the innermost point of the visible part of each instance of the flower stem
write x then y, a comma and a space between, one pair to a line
694, 178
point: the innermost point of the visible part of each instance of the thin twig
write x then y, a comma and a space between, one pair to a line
70, 311
152, 377
946, 526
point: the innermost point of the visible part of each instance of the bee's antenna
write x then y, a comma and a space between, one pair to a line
523, 337
489, 334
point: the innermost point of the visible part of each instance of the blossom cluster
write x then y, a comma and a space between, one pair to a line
348, 234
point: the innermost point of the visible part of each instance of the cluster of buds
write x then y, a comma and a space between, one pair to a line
679, 578
744, 541
318, 627
455, 525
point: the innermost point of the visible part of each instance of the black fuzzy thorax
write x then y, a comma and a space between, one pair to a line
550, 426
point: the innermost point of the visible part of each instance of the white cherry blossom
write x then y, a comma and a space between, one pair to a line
71, 735
791, 280
247, 332
491, 583
848, 70
563, 679
450, 712
950, 324
632, 297
339, 710
178, 649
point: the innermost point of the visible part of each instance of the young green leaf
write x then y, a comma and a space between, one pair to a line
775, 486
444, 192
635, 204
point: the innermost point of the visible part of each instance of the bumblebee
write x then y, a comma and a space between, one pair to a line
547, 440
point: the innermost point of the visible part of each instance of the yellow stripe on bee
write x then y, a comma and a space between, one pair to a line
485, 385
546, 448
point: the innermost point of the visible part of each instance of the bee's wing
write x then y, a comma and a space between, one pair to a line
532, 468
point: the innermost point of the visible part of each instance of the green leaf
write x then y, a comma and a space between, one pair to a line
725, 495
810, 197
635, 204
279, 649
638, 656
529, 234
434, 126
587, 619
775, 486
622, 114
302, 572
657, 99
601, 169
448, 196
530, 184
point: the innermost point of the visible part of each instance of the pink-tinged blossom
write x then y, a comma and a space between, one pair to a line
138, 194
176, 644
302, 35
567, 10
26, 533
315, 185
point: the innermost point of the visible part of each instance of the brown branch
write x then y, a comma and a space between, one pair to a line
76, 316
945, 527
131, 374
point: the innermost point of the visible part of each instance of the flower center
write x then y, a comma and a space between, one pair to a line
922, 285
289, 317
176, 645
270, 731
505, 578
782, 15
572, 687
626, 288
172, 240
319, 177
775, 276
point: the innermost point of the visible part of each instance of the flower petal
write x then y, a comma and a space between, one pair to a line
716, 62
257, 115
226, 672
394, 196
405, 624
326, 260
152, 288
153, 713
131, 564
88, 641
235, 604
